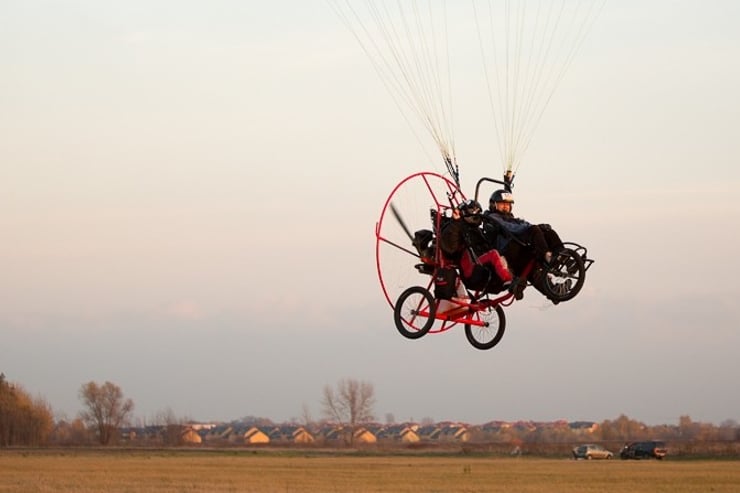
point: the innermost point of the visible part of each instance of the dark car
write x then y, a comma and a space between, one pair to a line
650, 449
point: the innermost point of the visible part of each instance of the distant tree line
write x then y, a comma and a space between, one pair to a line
27, 421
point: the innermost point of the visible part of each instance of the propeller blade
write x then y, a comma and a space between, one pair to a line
401, 222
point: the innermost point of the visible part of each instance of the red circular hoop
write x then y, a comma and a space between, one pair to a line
395, 256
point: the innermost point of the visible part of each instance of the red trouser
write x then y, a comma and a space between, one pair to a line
491, 257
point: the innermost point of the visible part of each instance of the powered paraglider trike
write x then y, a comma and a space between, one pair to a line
410, 265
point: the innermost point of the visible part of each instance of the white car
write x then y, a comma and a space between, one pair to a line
591, 451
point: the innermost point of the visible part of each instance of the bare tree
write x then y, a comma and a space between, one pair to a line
106, 409
306, 418
349, 405
170, 425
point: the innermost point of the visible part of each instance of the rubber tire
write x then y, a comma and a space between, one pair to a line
573, 256
484, 345
398, 311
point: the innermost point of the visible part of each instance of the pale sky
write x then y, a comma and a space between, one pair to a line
189, 193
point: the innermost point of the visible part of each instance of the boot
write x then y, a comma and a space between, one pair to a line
516, 287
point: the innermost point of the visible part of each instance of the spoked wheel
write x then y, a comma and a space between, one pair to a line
410, 208
565, 276
487, 336
414, 312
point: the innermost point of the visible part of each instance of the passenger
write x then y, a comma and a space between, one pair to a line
482, 267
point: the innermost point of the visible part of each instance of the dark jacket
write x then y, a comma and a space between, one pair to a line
458, 235
508, 221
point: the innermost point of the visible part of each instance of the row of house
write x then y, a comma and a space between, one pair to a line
407, 433
367, 434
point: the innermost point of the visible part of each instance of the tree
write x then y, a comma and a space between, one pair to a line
349, 405
23, 420
171, 426
729, 430
70, 432
623, 428
106, 409
306, 418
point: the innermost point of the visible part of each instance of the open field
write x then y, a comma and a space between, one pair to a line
62, 471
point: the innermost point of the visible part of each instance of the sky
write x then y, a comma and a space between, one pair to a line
189, 193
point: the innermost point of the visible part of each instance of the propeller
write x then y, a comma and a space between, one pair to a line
398, 217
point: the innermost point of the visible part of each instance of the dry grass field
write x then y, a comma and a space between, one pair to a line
130, 471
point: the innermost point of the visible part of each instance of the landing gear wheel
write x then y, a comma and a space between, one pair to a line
487, 336
414, 312
564, 277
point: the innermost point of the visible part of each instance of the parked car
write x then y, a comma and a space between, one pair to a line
650, 449
591, 451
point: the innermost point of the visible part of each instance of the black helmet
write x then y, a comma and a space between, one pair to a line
470, 211
502, 196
